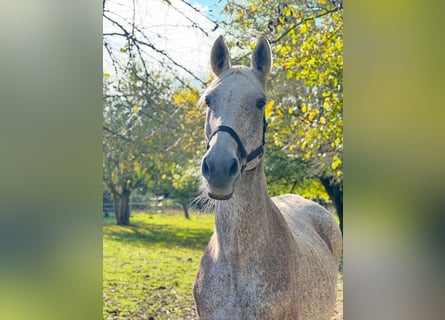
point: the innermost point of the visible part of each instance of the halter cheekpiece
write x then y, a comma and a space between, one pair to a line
246, 158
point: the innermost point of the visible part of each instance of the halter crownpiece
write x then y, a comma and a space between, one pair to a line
258, 152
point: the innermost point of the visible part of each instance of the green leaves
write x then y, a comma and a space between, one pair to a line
306, 84
283, 50
152, 137
134, 142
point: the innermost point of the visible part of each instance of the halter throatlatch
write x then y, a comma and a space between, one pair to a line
245, 158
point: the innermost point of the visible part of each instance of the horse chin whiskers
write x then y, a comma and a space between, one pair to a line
209, 202
203, 202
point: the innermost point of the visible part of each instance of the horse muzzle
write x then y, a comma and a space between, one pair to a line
220, 169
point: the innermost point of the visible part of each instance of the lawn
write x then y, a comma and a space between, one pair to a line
149, 267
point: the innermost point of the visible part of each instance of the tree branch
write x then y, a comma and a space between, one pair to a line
204, 15
303, 21
136, 42
117, 134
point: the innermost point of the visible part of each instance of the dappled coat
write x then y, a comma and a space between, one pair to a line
269, 258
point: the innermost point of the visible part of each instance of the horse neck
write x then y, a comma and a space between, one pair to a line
246, 223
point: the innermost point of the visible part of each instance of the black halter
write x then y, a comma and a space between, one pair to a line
258, 152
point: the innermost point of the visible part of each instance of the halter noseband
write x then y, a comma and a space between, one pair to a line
258, 152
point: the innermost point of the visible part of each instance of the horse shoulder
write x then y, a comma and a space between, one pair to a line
306, 216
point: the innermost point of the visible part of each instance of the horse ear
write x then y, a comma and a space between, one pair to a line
262, 58
219, 57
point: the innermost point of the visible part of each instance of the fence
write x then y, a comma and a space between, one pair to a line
146, 204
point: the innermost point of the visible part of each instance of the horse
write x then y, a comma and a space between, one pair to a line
268, 258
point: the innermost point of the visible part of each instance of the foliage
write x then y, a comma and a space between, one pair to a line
138, 129
152, 138
306, 99
185, 175
285, 175
182, 179
149, 142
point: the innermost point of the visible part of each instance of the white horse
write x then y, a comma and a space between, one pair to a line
269, 258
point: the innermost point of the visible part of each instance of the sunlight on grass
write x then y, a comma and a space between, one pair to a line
149, 267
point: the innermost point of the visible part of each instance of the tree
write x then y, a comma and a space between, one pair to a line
305, 112
152, 141
185, 184
286, 175
136, 133
156, 154
185, 176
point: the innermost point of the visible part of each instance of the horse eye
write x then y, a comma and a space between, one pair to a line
260, 103
207, 101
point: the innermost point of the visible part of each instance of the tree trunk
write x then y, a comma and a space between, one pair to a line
293, 186
115, 204
122, 208
185, 208
335, 192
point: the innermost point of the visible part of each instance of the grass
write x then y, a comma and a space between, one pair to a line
149, 267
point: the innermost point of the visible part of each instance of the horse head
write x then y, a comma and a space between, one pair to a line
235, 124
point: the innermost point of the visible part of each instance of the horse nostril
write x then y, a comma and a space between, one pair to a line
233, 170
205, 169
